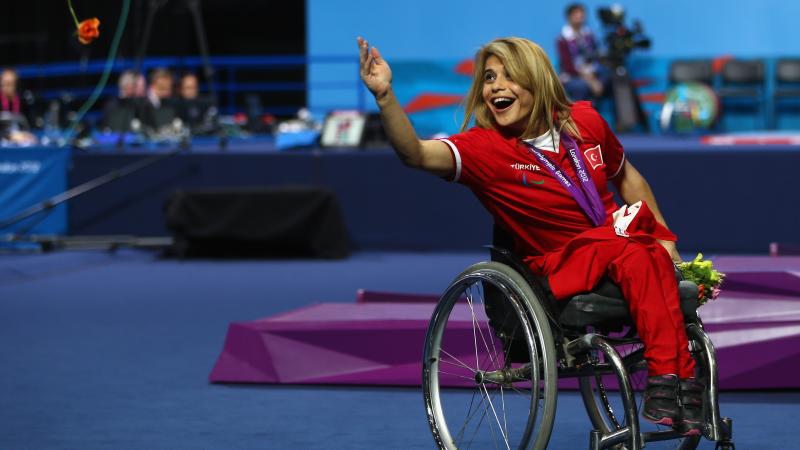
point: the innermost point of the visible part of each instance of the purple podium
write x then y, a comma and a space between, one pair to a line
755, 326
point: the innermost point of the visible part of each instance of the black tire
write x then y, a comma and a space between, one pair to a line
518, 402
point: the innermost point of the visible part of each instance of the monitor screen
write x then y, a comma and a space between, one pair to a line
343, 129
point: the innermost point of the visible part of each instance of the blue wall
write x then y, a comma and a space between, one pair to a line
425, 30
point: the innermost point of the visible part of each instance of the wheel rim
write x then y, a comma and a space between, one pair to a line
604, 405
499, 403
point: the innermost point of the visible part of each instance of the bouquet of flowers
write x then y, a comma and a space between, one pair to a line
703, 274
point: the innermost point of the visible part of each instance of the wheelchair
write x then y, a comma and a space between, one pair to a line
498, 331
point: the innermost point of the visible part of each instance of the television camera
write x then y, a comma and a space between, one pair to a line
620, 41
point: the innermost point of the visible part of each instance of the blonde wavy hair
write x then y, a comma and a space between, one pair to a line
528, 65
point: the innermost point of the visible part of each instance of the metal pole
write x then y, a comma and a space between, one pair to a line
155, 5
202, 43
90, 185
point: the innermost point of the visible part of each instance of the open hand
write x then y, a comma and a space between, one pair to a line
375, 72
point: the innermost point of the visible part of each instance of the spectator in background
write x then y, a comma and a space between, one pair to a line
139, 88
581, 74
188, 88
10, 101
160, 86
196, 111
120, 113
159, 109
14, 121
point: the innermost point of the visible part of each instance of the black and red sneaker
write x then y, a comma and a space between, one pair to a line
691, 399
661, 400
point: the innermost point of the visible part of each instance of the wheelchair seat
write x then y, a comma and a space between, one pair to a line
606, 306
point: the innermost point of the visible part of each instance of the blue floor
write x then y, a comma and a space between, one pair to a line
113, 351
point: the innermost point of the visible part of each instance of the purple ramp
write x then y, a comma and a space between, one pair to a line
334, 343
755, 328
328, 343
757, 341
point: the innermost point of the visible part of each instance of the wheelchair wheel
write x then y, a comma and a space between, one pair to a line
485, 386
604, 405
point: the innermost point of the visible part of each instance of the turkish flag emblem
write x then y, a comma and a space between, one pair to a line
594, 156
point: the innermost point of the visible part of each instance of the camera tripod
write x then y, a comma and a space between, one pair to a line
627, 107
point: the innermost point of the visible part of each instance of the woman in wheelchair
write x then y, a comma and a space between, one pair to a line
541, 165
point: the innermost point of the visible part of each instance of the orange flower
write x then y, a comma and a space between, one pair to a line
88, 30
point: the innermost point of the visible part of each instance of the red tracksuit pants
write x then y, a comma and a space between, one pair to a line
644, 271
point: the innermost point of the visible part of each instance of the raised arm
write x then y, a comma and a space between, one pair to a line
632, 187
430, 155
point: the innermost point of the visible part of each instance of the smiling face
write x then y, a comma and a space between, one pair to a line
516, 90
509, 103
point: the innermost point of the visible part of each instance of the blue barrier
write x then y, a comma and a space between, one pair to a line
706, 193
386, 205
29, 176
225, 80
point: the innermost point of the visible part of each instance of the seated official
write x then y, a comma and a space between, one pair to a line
120, 113
14, 112
11, 103
196, 111
200, 114
160, 109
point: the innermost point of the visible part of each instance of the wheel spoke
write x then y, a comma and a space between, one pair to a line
470, 415
474, 332
490, 349
610, 407
504, 406
496, 418
483, 416
491, 353
491, 428
522, 393
456, 375
456, 360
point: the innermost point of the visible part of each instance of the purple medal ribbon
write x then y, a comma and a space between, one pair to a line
584, 194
